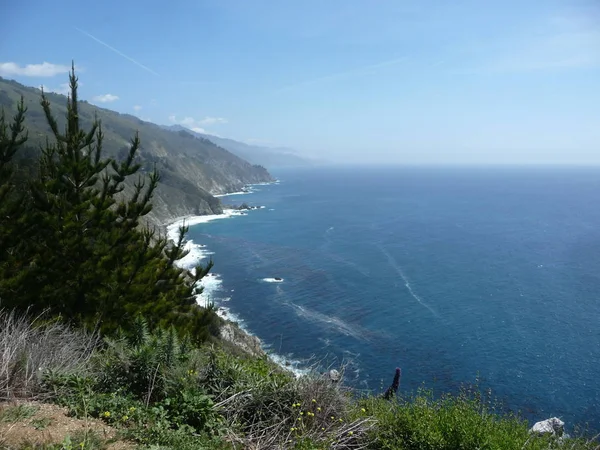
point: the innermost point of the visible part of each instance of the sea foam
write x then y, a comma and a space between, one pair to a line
212, 284
273, 280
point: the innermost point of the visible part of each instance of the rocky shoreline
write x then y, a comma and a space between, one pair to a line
230, 331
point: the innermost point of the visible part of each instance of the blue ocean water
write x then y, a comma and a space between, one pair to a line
452, 274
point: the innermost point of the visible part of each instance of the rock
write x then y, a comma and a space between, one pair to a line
553, 426
246, 342
334, 375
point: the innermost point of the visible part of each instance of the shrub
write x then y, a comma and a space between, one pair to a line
28, 348
462, 421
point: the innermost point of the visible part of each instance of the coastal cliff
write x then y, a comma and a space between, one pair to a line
192, 170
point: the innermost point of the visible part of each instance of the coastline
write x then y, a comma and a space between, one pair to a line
234, 330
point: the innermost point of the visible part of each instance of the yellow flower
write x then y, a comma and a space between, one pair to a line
319, 409
301, 413
293, 429
299, 418
363, 410
314, 401
350, 433
322, 428
132, 409
341, 420
332, 417
106, 414
125, 418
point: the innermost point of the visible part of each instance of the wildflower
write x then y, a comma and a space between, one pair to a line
293, 429
350, 433
106, 414
314, 401
132, 409
332, 417
319, 409
301, 413
322, 428
363, 410
299, 418
125, 418
311, 414
341, 420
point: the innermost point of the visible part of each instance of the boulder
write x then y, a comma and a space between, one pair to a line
334, 375
553, 426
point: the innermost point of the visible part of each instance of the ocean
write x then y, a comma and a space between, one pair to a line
455, 274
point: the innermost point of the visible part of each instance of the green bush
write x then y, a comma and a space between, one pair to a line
463, 421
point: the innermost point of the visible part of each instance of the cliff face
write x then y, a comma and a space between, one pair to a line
191, 169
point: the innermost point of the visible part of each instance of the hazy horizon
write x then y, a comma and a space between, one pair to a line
347, 81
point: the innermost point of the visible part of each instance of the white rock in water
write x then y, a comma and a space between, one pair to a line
554, 426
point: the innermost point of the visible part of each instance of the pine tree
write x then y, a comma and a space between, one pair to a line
12, 227
86, 256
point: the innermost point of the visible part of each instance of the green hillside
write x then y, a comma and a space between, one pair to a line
191, 169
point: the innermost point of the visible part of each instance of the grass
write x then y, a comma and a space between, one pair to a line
462, 421
13, 414
162, 393
29, 348
81, 440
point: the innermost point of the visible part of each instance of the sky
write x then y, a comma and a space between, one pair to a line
354, 81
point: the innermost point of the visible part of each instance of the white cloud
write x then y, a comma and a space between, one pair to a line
212, 120
106, 98
63, 89
44, 69
197, 125
137, 108
187, 121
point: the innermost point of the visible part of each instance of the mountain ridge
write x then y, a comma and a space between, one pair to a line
192, 170
269, 157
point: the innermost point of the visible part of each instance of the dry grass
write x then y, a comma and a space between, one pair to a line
28, 348
308, 409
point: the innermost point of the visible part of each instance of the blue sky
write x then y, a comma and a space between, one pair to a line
354, 81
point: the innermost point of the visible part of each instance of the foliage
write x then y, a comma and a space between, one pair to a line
145, 382
71, 242
464, 421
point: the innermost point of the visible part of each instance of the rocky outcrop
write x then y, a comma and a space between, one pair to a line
552, 427
232, 333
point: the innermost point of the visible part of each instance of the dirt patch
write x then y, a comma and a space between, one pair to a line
38, 423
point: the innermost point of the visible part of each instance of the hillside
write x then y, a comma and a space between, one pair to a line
269, 157
191, 169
